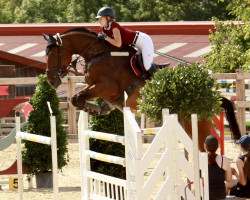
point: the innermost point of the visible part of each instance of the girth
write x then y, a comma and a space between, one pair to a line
118, 103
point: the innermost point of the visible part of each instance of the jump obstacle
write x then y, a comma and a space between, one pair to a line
42, 140
217, 130
171, 164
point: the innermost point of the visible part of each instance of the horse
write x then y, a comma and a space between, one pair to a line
108, 77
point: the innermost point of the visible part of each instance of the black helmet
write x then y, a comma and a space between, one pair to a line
105, 11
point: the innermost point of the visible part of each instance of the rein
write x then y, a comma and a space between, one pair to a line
63, 72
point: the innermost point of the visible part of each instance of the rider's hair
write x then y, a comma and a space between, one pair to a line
109, 18
211, 154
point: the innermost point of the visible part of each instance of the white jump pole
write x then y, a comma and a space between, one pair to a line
196, 156
19, 161
142, 121
54, 156
54, 153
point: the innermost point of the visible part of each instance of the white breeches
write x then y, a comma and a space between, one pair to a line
145, 44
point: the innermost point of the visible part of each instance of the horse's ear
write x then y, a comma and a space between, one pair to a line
52, 39
46, 37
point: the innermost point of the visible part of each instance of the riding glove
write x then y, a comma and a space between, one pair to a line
102, 36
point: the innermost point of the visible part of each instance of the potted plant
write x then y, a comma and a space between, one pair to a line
37, 157
184, 90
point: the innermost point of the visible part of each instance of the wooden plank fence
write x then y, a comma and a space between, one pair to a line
69, 80
241, 101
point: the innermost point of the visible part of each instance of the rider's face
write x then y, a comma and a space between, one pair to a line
103, 21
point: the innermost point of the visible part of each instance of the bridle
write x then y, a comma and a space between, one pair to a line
56, 41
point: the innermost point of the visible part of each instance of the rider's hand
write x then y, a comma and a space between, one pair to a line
102, 36
233, 171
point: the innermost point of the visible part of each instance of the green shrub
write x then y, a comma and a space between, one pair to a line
184, 90
37, 157
112, 123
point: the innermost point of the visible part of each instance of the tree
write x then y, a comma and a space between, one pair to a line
62, 11
39, 11
231, 41
7, 9
37, 157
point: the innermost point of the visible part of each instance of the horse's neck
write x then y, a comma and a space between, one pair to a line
81, 44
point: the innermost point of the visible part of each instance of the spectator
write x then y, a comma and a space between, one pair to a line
219, 169
241, 186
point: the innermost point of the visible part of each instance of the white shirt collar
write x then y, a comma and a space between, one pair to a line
109, 26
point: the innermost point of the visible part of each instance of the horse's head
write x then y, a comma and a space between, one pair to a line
56, 66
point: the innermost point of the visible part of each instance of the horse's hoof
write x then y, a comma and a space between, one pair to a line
76, 102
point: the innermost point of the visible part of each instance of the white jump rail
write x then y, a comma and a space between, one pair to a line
42, 140
171, 162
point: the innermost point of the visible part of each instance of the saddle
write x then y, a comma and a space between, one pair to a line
136, 64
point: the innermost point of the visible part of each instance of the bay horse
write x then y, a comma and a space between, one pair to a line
107, 76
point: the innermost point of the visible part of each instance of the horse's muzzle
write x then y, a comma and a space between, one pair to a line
55, 82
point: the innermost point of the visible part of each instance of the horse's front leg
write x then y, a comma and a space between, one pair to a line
78, 100
91, 92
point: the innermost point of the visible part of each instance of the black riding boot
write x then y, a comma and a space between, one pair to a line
152, 70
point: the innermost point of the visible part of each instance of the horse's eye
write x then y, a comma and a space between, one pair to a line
52, 54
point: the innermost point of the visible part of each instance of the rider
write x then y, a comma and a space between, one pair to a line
118, 35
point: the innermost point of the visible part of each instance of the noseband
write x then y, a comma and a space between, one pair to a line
57, 42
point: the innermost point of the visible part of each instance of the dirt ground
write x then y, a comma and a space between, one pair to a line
69, 178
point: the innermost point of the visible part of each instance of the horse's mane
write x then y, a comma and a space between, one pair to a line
82, 30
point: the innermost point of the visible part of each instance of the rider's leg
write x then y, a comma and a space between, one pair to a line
152, 70
145, 43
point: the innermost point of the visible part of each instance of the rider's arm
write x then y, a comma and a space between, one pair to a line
242, 178
117, 41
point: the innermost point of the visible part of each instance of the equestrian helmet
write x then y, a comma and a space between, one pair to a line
105, 11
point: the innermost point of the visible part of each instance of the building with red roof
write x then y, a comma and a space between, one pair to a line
22, 47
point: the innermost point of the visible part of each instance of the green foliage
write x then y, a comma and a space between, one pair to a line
112, 123
39, 11
240, 9
62, 11
37, 157
7, 9
196, 10
185, 89
231, 41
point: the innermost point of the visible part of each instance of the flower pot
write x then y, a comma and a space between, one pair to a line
44, 180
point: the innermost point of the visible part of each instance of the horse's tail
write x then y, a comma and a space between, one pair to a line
233, 125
